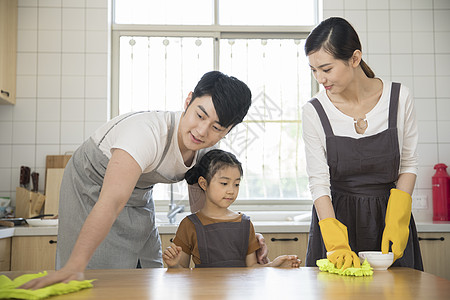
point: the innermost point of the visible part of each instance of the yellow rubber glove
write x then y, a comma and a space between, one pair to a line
335, 237
398, 215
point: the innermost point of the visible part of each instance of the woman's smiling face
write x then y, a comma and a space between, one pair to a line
334, 74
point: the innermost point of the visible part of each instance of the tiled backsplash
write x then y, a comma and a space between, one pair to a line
62, 77
62, 84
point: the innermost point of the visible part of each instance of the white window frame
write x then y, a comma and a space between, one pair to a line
217, 32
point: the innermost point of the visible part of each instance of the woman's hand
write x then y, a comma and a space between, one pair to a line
262, 252
398, 215
62, 275
172, 255
335, 238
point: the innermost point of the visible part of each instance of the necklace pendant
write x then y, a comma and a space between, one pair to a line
361, 123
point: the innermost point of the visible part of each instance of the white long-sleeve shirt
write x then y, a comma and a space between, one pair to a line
343, 125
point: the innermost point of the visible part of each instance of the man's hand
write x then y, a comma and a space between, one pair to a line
262, 253
59, 276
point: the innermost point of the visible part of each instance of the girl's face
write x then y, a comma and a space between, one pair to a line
334, 74
223, 188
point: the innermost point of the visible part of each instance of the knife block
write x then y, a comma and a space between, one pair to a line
28, 203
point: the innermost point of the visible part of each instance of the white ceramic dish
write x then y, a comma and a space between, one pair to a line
42, 222
376, 259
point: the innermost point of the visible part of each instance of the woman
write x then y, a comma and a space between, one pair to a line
106, 209
360, 138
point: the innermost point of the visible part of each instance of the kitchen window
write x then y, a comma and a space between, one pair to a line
159, 54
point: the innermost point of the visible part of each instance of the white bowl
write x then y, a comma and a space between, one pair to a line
376, 259
42, 222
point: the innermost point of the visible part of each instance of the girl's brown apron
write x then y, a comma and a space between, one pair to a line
222, 244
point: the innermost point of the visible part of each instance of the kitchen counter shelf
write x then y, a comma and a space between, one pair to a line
260, 226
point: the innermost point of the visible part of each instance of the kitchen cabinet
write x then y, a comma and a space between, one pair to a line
5, 254
33, 253
287, 243
435, 248
8, 48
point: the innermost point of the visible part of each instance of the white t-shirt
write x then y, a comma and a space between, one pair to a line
143, 135
343, 125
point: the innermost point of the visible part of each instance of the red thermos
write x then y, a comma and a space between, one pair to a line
441, 194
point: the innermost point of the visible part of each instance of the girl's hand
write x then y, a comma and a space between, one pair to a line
172, 255
62, 275
286, 261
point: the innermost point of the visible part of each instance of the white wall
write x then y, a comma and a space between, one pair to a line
63, 81
62, 84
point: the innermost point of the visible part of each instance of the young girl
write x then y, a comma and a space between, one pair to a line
216, 236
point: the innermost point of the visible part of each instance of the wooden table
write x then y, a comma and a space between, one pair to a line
261, 283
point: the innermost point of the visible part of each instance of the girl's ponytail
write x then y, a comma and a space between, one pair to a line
192, 175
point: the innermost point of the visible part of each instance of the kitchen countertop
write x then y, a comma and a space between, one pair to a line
260, 226
257, 283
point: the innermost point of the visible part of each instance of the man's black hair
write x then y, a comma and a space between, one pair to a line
230, 96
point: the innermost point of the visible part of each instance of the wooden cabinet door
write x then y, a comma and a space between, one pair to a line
287, 243
8, 47
435, 248
5, 254
33, 253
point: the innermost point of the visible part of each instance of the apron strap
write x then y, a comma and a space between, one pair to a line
169, 138
126, 117
323, 117
169, 134
245, 233
201, 238
393, 105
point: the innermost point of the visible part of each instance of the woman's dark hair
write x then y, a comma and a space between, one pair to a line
338, 37
210, 163
230, 96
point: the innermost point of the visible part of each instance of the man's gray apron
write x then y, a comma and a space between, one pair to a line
222, 244
133, 236
362, 172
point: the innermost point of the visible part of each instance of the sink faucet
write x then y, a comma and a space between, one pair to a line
173, 208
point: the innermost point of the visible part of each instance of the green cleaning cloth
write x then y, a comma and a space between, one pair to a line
327, 266
8, 287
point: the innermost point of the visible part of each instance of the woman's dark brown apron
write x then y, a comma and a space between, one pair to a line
222, 244
134, 235
362, 172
